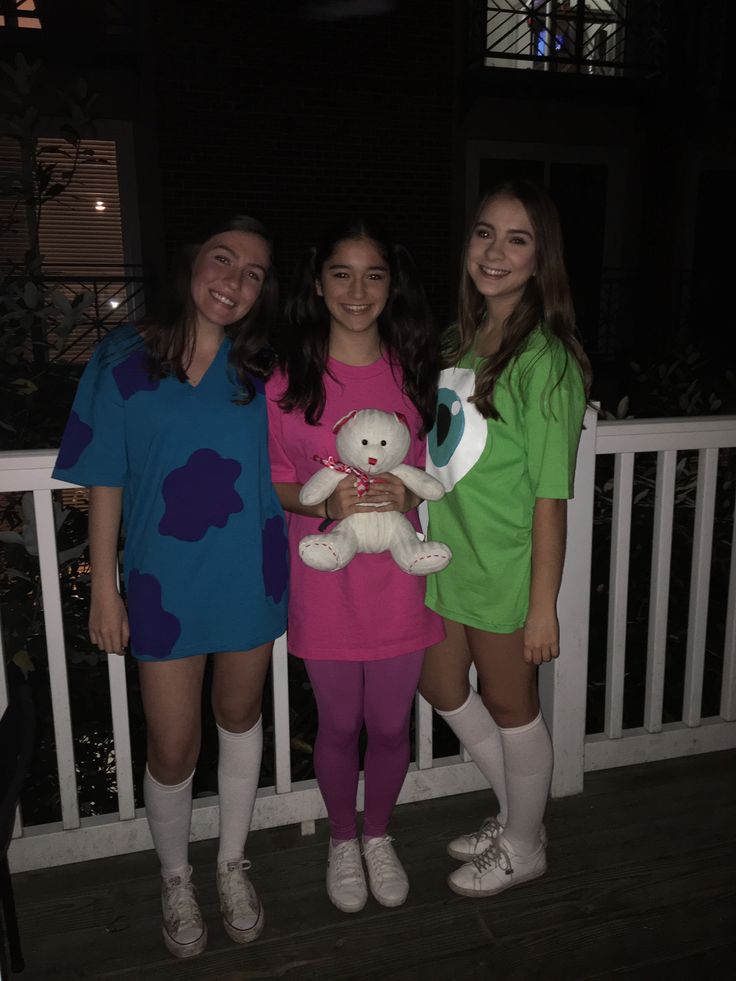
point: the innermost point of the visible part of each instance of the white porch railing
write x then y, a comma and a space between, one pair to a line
563, 684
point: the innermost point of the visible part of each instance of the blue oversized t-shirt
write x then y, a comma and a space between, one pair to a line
206, 564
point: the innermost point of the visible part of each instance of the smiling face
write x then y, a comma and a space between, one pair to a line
227, 277
501, 253
354, 283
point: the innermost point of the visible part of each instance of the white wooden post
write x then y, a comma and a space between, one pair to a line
563, 684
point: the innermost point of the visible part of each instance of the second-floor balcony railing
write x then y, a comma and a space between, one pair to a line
591, 37
652, 599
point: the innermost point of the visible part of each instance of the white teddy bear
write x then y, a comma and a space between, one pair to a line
371, 442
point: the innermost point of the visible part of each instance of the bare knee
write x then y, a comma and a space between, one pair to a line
512, 712
171, 761
237, 689
444, 680
445, 698
236, 715
444, 690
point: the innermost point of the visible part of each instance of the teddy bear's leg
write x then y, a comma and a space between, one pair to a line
328, 553
416, 557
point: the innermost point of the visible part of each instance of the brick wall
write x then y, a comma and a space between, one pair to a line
298, 121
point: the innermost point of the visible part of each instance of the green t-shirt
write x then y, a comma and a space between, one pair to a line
493, 470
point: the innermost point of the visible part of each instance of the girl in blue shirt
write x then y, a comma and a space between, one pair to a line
169, 431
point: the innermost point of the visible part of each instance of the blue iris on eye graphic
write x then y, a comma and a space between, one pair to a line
460, 432
448, 429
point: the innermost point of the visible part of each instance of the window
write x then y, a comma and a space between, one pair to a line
80, 235
21, 14
578, 36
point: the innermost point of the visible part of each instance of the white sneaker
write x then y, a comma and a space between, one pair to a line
345, 877
467, 847
386, 876
242, 913
184, 931
496, 869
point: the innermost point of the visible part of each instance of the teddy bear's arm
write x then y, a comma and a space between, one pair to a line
319, 486
419, 482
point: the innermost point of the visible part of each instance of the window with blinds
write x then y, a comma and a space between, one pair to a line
80, 233
80, 230
13, 218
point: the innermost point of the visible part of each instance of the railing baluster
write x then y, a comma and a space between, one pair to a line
423, 733
728, 681
699, 586
281, 733
563, 684
121, 736
3, 679
659, 590
18, 823
423, 741
618, 593
118, 682
473, 679
49, 568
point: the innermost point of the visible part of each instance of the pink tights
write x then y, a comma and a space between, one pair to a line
348, 694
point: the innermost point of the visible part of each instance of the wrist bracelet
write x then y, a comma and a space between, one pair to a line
327, 513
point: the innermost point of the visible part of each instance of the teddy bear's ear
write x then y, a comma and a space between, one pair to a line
341, 422
402, 418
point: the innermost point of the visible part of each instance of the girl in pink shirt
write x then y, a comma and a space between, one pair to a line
359, 336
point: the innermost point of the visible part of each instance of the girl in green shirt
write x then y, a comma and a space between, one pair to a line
510, 411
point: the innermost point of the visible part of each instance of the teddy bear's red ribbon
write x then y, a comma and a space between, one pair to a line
362, 481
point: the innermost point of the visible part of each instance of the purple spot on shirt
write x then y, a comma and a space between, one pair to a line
258, 384
132, 375
200, 495
76, 439
153, 630
275, 557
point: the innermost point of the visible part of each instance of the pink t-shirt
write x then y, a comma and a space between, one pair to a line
370, 609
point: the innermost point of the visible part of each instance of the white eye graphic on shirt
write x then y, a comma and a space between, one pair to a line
459, 436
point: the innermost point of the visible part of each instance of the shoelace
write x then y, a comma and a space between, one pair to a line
347, 863
489, 829
495, 856
182, 901
237, 885
379, 857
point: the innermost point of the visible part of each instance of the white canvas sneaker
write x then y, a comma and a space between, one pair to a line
496, 869
386, 876
345, 877
184, 931
242, 913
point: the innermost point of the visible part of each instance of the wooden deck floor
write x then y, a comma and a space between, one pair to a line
641, 885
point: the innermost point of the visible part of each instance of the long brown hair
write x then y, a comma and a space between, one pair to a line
169, 331
546, 298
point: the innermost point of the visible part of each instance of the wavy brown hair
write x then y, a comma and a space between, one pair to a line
546, 298
406, 328
169, 331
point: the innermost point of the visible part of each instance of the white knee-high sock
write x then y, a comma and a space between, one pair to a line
238, 769
169, 813
473, 725
527, 753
